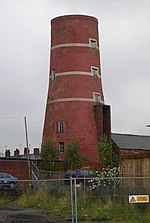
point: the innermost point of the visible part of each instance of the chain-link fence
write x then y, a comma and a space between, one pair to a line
79, 201
86, 199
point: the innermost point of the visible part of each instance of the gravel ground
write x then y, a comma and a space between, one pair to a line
12, 215
32, 215
29, 215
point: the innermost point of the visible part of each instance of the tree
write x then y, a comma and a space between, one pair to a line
109, 157
73, 156
49, 155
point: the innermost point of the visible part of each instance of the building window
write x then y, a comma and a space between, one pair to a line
97, 97
61, 147
93, 43
61, 126
94, 71
53, 74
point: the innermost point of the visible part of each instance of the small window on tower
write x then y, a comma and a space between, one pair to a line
61, 126
61, 147
94, 71
93, 43
97, 97
53, 74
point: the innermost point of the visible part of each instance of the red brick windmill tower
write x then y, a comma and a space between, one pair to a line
75, 105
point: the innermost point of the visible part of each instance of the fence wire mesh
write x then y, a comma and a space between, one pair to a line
75, 199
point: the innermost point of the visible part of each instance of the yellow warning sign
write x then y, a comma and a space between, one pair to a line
133, 199
143, 198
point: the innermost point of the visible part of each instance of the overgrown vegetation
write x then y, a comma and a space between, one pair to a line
89, 206
108, 177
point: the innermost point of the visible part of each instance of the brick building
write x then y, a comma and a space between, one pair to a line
18, 164
75, 103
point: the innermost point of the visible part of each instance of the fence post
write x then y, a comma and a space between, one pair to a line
114, 185
72, 203
75, 200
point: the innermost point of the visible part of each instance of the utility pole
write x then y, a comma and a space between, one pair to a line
27, 144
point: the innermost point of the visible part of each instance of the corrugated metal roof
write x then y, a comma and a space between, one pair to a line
128, 141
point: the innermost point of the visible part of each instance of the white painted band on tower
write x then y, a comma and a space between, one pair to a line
73, 45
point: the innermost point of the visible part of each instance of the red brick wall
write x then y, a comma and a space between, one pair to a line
18, 168
85, 132
73, 28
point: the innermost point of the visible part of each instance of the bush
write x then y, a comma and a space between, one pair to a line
109, 177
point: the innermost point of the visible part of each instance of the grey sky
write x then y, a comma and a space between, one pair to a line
24, 63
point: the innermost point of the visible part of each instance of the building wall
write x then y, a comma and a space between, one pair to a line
135, 167
18, 168
107, 121
133, 163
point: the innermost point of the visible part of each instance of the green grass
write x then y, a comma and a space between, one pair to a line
45, 200
89, 206
6, 199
